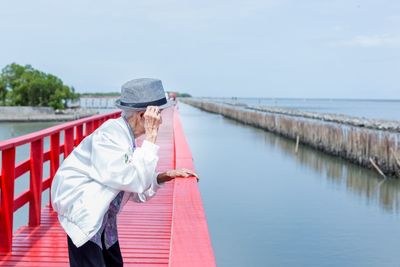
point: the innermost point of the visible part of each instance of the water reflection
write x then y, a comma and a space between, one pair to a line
339, 173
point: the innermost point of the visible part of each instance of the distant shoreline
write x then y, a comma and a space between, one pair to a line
303, 99
41, 114
99, 95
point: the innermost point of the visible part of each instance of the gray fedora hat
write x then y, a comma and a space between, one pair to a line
140, 93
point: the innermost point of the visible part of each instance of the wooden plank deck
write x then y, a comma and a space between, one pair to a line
146, 230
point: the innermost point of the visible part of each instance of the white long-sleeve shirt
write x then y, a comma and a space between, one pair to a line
101, 166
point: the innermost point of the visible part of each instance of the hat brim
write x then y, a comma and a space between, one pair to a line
166, 105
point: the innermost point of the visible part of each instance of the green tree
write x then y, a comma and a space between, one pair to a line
3, 93
183, 95
26, 86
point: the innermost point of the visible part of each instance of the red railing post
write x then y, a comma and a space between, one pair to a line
96, 124
79, 134
54, 153
89, 128
68, 141
36, 173
54, 157
7, 199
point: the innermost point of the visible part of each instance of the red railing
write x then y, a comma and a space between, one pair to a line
74, 133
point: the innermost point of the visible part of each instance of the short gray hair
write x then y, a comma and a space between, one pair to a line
128, 113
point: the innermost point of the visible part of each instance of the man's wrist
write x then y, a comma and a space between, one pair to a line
151, 137
162, 178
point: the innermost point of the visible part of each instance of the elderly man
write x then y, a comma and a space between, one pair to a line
107, 169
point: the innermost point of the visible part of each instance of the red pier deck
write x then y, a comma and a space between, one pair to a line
169, 230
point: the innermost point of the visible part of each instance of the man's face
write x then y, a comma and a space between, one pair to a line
140, 125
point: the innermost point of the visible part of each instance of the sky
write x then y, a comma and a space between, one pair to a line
217, 48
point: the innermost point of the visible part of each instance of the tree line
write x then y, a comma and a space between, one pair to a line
26, 86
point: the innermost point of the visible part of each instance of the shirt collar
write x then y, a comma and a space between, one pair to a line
130, 131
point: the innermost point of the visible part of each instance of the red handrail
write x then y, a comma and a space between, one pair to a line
190, 239
10, 171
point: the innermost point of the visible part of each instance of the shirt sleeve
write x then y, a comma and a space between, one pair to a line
116, 166
149, 193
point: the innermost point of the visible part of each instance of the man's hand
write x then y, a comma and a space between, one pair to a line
152, 120
172, 174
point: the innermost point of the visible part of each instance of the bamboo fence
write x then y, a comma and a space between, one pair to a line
369, 143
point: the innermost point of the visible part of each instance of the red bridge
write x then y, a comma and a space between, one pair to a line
169, 230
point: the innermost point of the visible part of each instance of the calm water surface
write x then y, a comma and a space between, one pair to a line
268, 206
13, 129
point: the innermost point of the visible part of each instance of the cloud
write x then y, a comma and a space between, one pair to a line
369, 41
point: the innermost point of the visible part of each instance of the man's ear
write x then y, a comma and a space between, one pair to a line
141, 114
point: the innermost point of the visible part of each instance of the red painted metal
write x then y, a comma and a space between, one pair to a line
55, 152
190, 241
36, 171
89, 128
79, 134
68, 141
22, 168
168, 230
10, 171
7, 198
17, 141
22, 199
